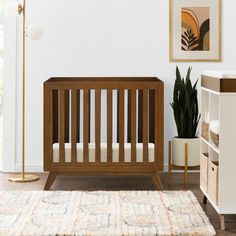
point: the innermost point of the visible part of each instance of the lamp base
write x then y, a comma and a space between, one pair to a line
20, 179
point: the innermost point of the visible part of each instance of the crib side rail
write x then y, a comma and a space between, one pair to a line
57, 85
62, 114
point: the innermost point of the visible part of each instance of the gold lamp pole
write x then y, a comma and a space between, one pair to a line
23, 177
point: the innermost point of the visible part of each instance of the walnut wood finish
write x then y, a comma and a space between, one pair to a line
140, 115
55, 114
151, 115
97, 125
62, 128
49, 137
78, 116
120, 123
86, 132
67, 115
129, 117
158, 123
74, 125
62, 115
223, 85
109, 125
144, 127
133, 126
51, 177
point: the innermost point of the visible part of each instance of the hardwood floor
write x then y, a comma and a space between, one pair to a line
73, 182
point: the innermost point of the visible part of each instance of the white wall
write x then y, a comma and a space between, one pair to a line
103, 38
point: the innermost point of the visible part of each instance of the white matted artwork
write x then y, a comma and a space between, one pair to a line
195, 30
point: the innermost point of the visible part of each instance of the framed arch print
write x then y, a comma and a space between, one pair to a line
195, 30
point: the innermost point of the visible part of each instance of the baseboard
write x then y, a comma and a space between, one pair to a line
30, 168
166, 169
39, 168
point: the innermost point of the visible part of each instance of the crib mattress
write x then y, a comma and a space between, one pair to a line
115, 152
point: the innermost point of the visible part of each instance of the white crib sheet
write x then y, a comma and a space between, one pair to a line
115, 152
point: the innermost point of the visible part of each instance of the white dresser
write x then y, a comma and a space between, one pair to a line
218, 161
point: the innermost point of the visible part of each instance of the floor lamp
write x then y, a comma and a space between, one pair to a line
34, 32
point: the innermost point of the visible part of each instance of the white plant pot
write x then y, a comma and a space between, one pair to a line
178, 151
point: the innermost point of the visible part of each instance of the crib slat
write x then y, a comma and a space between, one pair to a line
133, 125
109, 126
86, 126
62, 127
78, 116
50, 129
121, 126
89, 114
74, 125
145, 126
97, 125
156, 106
67, 115
159, 128
129, 117
55, 115
140, 116
151, 115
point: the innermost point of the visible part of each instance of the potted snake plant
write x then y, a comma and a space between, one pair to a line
186, 114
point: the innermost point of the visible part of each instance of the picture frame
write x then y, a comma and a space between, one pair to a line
195, 28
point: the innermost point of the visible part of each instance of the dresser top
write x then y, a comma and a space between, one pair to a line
220, 74
219, 81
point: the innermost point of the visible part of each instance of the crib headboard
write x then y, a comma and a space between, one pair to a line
98, 110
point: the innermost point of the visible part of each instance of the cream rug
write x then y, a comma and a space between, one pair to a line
102, 213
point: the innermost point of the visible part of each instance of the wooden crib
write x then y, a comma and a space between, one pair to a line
80, 113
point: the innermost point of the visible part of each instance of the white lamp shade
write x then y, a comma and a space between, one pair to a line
34, 32
11, 9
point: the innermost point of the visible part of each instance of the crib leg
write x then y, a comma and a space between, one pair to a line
51, 177
157, 181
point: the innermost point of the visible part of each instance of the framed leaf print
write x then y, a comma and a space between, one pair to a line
195, 30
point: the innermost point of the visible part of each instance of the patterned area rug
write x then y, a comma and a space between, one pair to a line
102, 213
